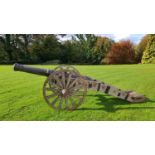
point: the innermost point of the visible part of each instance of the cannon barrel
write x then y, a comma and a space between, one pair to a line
32, 70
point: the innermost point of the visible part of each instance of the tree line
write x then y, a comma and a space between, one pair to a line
79, 49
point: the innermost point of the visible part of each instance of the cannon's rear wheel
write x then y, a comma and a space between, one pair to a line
64, 89
66, 68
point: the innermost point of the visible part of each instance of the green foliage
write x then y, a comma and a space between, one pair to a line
7, 43
102, 47
152, 61
16, 46
4, 58
52, 62
86, 43
92, 49
46, 48
140, 48
72, 53
80, 49
149, 53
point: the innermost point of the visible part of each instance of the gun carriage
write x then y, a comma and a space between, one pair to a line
65, 88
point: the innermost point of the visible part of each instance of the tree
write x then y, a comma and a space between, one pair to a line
24, 41
149, 53
45, 48
72, 53
86, 42
121, 53
4, 58
140, 48
7, 42
102, 47
16, 45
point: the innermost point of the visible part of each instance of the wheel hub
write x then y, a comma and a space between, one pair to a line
64, 92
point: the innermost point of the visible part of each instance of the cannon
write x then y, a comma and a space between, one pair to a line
65, 88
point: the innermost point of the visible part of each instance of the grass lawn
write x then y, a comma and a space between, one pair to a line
21, 95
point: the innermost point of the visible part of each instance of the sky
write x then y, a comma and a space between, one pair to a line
133, 37
116, 37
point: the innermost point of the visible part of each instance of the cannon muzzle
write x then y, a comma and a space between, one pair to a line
32, 70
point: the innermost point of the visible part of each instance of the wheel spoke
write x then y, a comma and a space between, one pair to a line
60, 103
78, 95
55, 85
59, 83
75, 96
55, 100
50, 96
77, 91
63, 80
68, 81
72, 101
74, 90
51, 88
66, 102
71, 85
55, 90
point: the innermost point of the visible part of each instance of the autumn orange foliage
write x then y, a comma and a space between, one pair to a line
121, 53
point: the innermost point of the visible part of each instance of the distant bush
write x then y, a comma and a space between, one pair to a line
45, 49
4, 58
121, 53
102, 47
149, 53
153, 61
72, 53
140, 48
52, 62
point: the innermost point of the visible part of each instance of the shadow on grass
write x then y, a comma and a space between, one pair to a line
112, 104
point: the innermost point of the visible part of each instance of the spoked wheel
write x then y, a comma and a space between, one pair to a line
67, 68
64, 89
